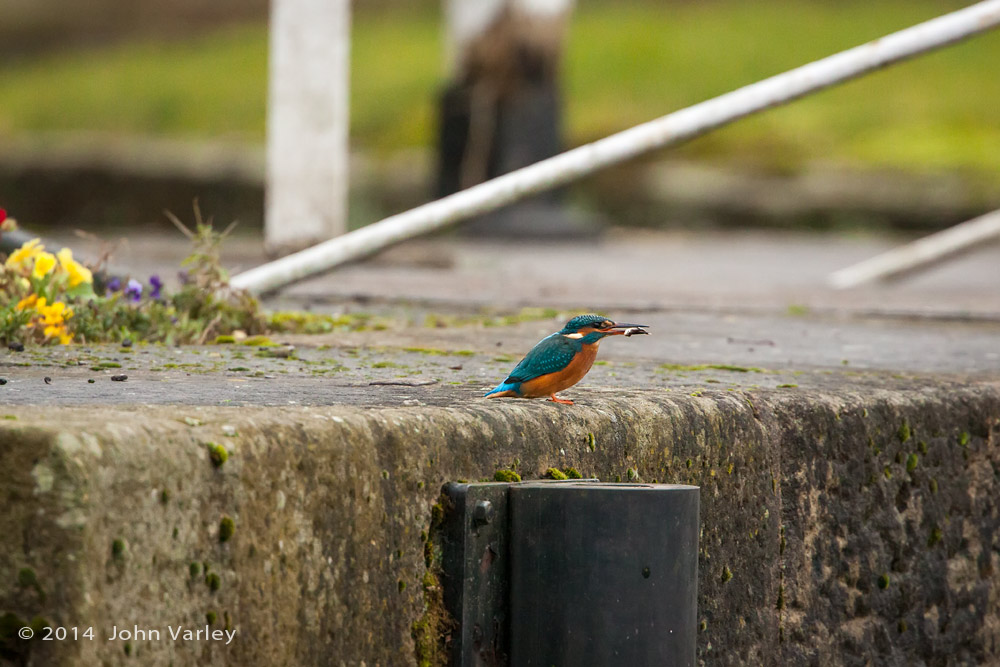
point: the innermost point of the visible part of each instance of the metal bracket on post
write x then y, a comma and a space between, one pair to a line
474, 572
571, 572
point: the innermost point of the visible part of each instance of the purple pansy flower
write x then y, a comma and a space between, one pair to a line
133, 291
114, 285
157, 285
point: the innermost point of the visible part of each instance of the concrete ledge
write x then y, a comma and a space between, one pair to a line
840, 526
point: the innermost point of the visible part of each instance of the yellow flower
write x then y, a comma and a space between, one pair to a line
44, 263
23, 255
78, 273
53, 315
65, 338
27, 302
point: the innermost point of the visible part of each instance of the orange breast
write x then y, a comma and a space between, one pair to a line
546, 385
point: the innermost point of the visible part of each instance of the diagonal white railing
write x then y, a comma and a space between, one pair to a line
921, 253
668, 130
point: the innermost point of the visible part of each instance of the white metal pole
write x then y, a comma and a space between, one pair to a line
307, 122
920, 253
671, 129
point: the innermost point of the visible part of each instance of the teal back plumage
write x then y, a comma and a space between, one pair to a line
553, 353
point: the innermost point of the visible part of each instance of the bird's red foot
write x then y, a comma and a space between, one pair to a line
564, 401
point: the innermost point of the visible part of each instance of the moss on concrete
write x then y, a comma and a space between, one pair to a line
332, 558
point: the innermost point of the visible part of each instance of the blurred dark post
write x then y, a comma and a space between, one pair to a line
502, 109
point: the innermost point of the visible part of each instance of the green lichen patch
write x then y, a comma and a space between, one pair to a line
213, 581
591, 442
904, 432
705, 367
963, 438
554, 473
883, 581
572, 473
194, 569
797, 310
911, 462
726, 575
226, 528
217, 454
258, 341
787, 385
922, 447
505, 475
430, 632
935, 536
437, 514
211, 617
118, 549
26, 578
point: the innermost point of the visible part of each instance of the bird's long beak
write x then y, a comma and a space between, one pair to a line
621, 328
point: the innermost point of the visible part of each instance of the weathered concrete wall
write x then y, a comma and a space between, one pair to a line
839, 527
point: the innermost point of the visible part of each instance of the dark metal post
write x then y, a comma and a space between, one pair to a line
571, 573
603, 574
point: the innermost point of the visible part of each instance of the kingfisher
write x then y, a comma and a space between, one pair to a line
561, 360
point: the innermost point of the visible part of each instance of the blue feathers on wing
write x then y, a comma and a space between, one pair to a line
553, 353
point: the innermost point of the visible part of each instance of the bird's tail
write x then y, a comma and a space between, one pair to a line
503, 389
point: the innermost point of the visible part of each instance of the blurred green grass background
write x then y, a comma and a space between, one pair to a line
626, 62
